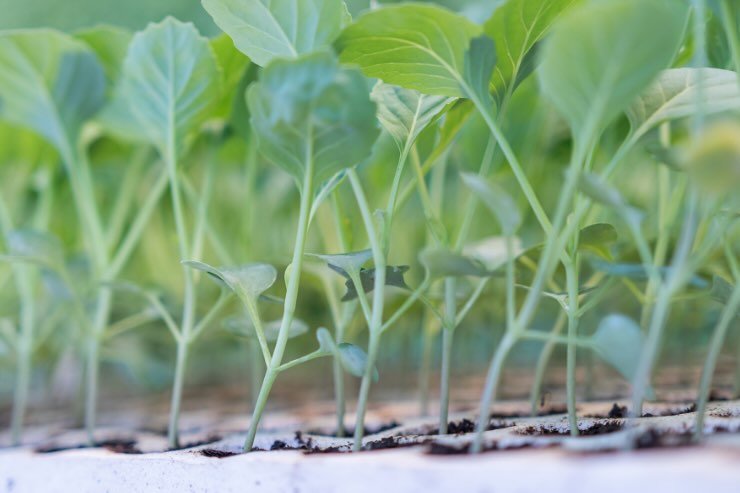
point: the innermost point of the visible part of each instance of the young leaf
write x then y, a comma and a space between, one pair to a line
264, 29
343, 263
420, 47
312, 103
50, 83
393, 277
721, 290
516, 27
354, 360
597, 238
326, 341
601, 56
171, 82
405, 113
250, 280
638, 271
619, 341
243, 327
441, 263
600, 191
498, 201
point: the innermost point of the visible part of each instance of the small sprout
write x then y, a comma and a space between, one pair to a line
343, 263
249, 280
352, 358
393, 277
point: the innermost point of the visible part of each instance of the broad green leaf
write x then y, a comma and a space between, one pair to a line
233, 65
597, 238
35, 246
268, 29
601, 56
243, 327
618, 340
250, 280
517, 27
310, 115
420, 47
441, 263
676, 92
50, 83
171, 82
405, 113
343, 263
498, 201
110, 44
354, 360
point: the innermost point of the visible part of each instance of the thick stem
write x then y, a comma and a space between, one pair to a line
259, 408
444, 385
20, 393
173, 431
97, 331
428, 333
490, 387
367, 380
256, 371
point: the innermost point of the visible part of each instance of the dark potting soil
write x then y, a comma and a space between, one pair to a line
367, 430
598, 428
117, 445
197, 443
215, 453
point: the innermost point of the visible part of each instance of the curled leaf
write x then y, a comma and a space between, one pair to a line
248, 279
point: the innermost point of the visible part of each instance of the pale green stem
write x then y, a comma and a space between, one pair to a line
291, 296
571, 272
542, 362
376, 323
728, 315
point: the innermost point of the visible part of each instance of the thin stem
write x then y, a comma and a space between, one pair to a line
376, 323
444, 386
542, 362
571, 272
173, 432
319, 353
728, 315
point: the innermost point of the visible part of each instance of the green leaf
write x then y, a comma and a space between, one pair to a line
171, 82
405, 113
601, 56
110, 44
243, 327
312, 103
50, 83
597, 238
639, 272
265, 29
354, 360
326, 341
250, 280
233, 65
441, 263
393, 277
35, 246
498, 201
420, 47
598, 190
677, 92
516, 27
343, 263
618, 340
480, 58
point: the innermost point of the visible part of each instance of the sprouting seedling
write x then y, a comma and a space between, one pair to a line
312, 119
